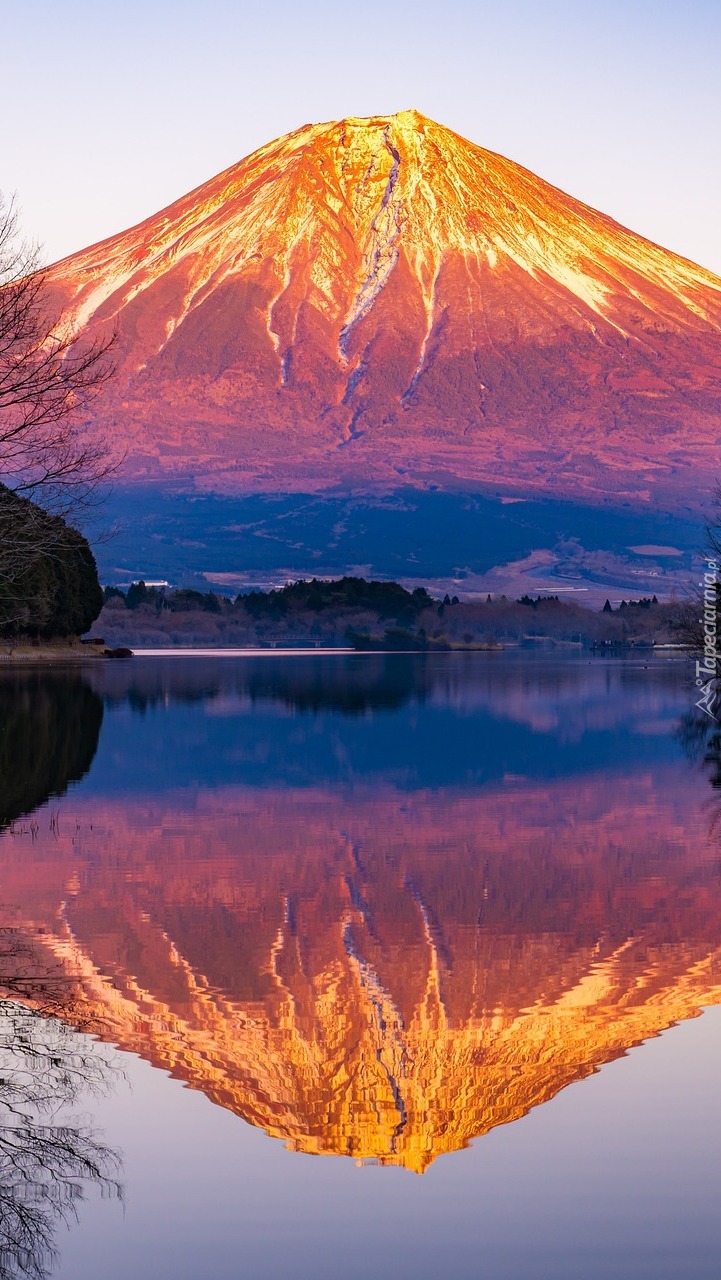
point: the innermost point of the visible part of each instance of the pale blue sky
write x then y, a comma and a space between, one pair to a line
111, 111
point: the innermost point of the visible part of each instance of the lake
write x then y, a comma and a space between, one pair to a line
359, 965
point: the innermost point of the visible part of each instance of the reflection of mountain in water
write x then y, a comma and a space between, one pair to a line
50, 725
382, 976
49, 730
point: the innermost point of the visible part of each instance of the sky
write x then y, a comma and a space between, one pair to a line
112, 111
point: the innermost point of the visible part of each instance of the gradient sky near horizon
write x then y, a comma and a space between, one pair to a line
113, 111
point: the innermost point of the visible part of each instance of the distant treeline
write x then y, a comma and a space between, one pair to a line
370, 615
386, 599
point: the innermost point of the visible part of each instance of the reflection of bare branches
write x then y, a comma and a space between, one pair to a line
31, 975
700, 738
48, 1155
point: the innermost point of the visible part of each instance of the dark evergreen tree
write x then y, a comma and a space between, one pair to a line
54, 593
136, 595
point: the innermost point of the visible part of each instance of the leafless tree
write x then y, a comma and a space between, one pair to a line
48, 1155
705, 594
48, 375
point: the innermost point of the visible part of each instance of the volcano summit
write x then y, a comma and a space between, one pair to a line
373, 304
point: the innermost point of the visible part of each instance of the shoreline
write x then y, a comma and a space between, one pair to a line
76, 652
519, 652
79, 654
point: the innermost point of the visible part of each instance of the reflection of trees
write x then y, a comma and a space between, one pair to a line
700, 737
512, 689
49, 1156
346, 685
350, 686
342, 684
50, 728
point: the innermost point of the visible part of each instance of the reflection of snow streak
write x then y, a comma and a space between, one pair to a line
391, 1053
431, 929
279, 941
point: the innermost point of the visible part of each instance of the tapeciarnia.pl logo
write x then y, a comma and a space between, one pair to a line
707, 666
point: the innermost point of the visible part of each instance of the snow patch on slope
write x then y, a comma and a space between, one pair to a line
381, 252
428, 294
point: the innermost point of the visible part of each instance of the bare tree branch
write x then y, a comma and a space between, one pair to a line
48, 376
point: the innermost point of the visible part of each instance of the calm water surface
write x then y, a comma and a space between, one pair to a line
361, 966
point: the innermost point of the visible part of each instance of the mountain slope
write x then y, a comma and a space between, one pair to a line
374, 302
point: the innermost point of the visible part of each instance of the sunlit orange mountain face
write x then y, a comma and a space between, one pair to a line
378, 305
373, 971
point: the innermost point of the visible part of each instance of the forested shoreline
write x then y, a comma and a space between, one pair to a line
354, 612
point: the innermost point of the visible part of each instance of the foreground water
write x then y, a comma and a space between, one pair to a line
359, 965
